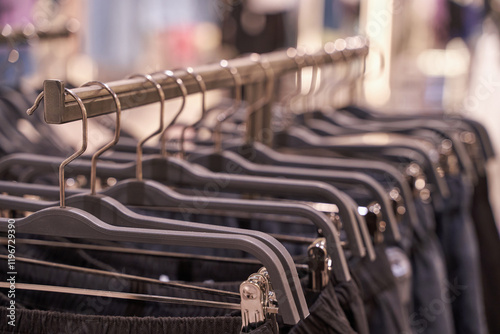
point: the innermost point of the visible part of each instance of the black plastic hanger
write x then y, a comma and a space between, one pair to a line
110, 210
72, 222
303, 138
176, 172
328, 124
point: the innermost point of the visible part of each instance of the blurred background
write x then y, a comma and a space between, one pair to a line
426, 55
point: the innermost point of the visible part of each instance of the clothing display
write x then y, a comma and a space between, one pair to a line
293, 216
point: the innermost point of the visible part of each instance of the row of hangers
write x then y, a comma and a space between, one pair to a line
255, 169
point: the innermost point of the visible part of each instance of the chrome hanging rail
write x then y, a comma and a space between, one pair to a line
61, 108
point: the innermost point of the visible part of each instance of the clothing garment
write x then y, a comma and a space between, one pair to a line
49, 322
181, 269
384, 310
489, 251
80, 304
401, 269
430, 312
460, 246
326, 315
350, 300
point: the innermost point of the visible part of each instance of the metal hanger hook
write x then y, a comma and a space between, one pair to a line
113, 142
229, 112
287, 100
203, 89
182, 88
62, 184
339, 47
35, 105
371, 76
140, 144
269, 73
268, 92
314, 79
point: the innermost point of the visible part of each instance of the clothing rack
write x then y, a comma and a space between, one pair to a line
61, 108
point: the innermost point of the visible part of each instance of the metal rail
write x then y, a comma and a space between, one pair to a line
61, 108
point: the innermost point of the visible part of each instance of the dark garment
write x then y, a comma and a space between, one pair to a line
65, 313
183, 269
48, 322
326, 315
384, 310
489, 250
80, 304
430, 312
401, 269
458, 239
350, 300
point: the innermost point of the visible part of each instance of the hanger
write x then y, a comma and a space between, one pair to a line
219, 161
178, 172
304, 138
264, 155
329, 124
138, 192
294, 138
151, 193
454, 122
110, 210
218, 157
203, 88
72, 222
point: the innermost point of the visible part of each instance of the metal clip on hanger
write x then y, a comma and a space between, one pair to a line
257, 299
319, 267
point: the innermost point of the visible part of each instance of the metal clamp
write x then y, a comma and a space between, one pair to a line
319, 265
257, 301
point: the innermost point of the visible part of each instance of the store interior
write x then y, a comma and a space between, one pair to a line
414, 85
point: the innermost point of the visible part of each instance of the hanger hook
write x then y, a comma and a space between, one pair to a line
93, 168
378, 50
287, 100
340, 46
314, 77
269, 88
229, 112
35, 105
140, 144
203, 88
182, 88
329, 50
269, 73
62, 184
